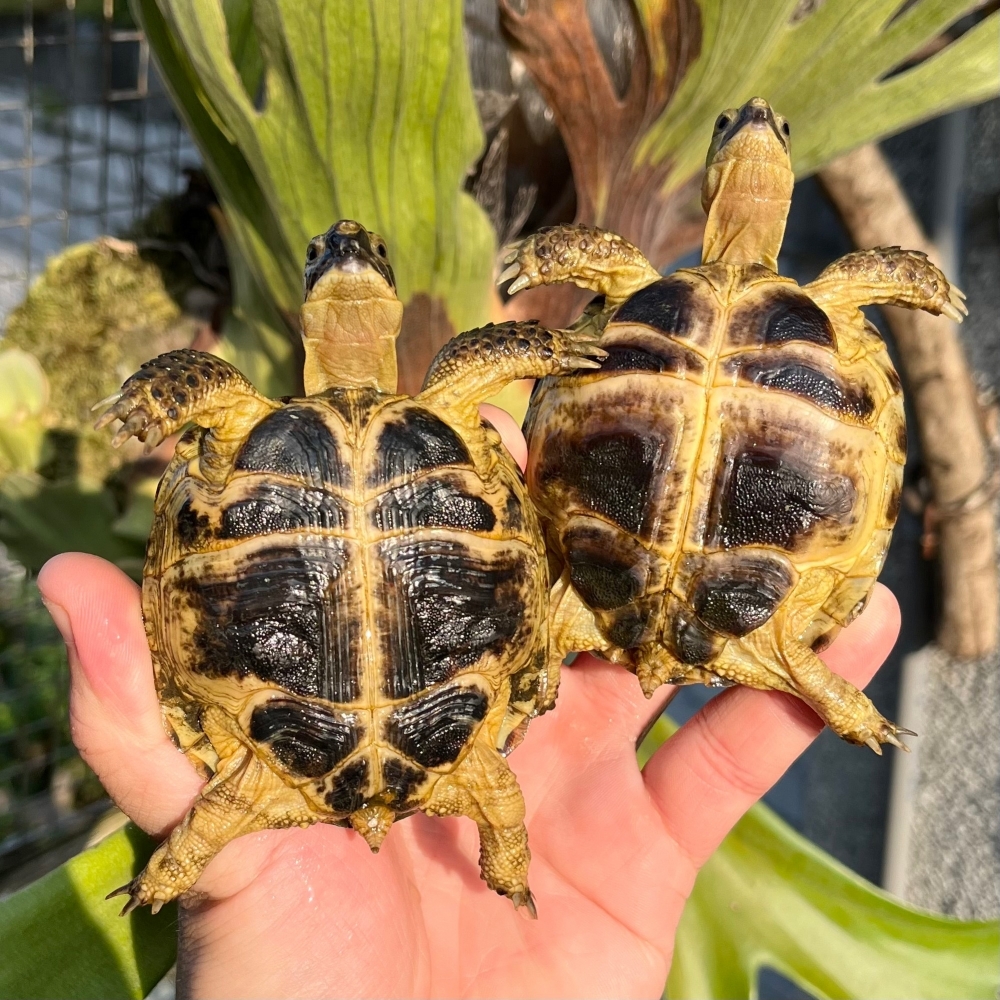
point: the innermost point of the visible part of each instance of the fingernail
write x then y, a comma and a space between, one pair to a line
62, 621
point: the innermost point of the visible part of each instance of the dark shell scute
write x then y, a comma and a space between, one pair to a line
192, 527
400, 781
809, 383
667, 305
665, 356
308, 739
414, 442
284, 617
347, 790
603, 566
434, 730
445, 607
295, 442
780, 316
765, 499
742, 597
626, 626
690, 642
609, 473
432, 503
275, 507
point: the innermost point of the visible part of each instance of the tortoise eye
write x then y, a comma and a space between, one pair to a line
722, 122
381, 249
312, 253
785, 128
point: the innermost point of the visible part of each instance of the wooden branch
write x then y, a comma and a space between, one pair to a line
949, 419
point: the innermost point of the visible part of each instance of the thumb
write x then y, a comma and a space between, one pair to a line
114, 711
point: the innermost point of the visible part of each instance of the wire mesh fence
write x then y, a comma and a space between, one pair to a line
88, 137
89, 143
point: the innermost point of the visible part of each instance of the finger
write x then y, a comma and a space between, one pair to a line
113, 705
724, 759
509, 432
599, 715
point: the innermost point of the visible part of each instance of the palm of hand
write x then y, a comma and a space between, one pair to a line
313, 913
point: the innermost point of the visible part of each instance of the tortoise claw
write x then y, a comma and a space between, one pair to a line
510, 272
891, 738
107, 401
874, 744
126, 890
137, 420
525, 902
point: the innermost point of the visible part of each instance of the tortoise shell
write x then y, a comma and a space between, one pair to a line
356, 595
737, 456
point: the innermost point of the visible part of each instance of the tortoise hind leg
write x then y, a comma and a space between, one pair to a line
183, 387
590, 258
769, 659
245, 796
484, 788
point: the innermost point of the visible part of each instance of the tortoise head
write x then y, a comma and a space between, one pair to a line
351, 315
748, 186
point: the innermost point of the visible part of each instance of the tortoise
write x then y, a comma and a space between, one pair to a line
345, 594
719, 496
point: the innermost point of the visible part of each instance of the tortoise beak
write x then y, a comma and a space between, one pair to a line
345, 247
755, 114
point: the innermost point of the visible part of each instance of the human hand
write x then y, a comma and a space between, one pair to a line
312, 913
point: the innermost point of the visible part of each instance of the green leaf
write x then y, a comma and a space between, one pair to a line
40, 519
60, 938
24, 389
826, 73
769, 897
367, 113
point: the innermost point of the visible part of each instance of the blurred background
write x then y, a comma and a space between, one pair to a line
120, 238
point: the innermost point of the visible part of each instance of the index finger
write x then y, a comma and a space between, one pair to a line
510, 433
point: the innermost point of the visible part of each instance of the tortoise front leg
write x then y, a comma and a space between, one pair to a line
477, 364
886, 275
588, 257
183, 387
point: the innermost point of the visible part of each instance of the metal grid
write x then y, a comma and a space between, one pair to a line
88, 138
89, 143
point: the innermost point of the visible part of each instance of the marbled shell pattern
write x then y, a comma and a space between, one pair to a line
356, 595
735, 454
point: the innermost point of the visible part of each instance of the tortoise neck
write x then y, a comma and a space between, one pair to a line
350, 343
747, 202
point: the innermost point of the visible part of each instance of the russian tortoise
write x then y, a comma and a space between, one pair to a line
721, 493
345, 595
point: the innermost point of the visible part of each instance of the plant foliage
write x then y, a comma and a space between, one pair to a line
61, 938
306, 113
637, 119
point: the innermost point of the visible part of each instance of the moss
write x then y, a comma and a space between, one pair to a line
91, 318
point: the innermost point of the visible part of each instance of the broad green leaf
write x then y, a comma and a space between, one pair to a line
367, 113
24, 389
24, 393
39, 520
60, 938
826, 73
769, 897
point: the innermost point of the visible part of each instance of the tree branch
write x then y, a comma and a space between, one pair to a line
950, 422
